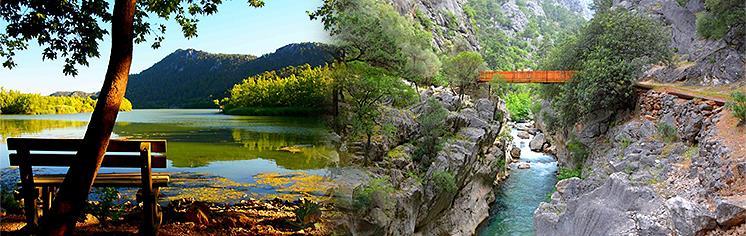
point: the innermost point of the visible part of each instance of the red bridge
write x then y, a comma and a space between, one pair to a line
537, 76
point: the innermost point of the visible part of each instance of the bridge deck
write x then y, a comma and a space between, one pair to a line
539, 76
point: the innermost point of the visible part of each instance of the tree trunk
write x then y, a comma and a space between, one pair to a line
74, 191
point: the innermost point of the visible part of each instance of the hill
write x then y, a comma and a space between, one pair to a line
192, 78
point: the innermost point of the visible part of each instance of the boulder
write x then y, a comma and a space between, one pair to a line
523, 135
515, 152
537, 143
731, 212
689, 219
524, 165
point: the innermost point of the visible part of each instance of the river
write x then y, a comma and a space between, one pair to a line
242, 150
520, 194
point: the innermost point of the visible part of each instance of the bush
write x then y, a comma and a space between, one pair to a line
307, 213
578, 151
363, 195
432, 124
720, 17
8, 202
444, 181
667, 132
738, 106
566, 173
106, 209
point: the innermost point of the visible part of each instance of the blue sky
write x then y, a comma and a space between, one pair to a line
236, 28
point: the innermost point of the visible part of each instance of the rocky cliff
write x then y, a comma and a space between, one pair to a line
697, 60
663, 171
423, 203
461, 24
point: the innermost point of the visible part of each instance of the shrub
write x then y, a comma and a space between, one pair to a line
578, 151
720, 17
667, 132
363, 195
106, 209
432, 124
307, 213
8, 202
444, 181
566, 173
738, 106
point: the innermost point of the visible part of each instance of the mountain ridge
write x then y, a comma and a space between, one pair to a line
190, 78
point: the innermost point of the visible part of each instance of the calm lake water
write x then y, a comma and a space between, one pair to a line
239, 148
520, 194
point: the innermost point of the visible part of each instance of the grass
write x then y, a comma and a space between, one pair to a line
667, 132
566, 173
738, 105
275, 111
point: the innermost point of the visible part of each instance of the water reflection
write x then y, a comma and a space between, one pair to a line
198, 139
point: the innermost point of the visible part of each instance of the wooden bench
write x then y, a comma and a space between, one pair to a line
141, 154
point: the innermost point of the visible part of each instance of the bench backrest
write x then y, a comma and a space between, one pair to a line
61, 152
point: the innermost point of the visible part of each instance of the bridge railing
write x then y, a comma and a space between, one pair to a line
539, 76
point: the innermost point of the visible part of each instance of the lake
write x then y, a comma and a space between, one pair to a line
232, 155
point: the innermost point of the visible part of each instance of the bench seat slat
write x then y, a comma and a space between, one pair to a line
115, 145
106, 180
110, 160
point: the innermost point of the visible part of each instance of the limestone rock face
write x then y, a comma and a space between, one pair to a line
605, 211
636, 183
420, 206
702, 61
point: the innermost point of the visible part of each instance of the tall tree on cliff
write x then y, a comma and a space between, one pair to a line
72, 30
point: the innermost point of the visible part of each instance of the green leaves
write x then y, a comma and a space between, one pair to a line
721, 17
608, 53
463, 69
301, 86
402, 46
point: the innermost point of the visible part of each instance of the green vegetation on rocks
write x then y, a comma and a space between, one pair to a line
444, 181
432, 124
378, 189
720, 17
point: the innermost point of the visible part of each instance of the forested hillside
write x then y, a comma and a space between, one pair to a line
193, 79
510, 34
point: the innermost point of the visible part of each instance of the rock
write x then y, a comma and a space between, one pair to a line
731, 212
523, 134
537, 143
515, 152
689, 219
614, 208
524, 165
197, 213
